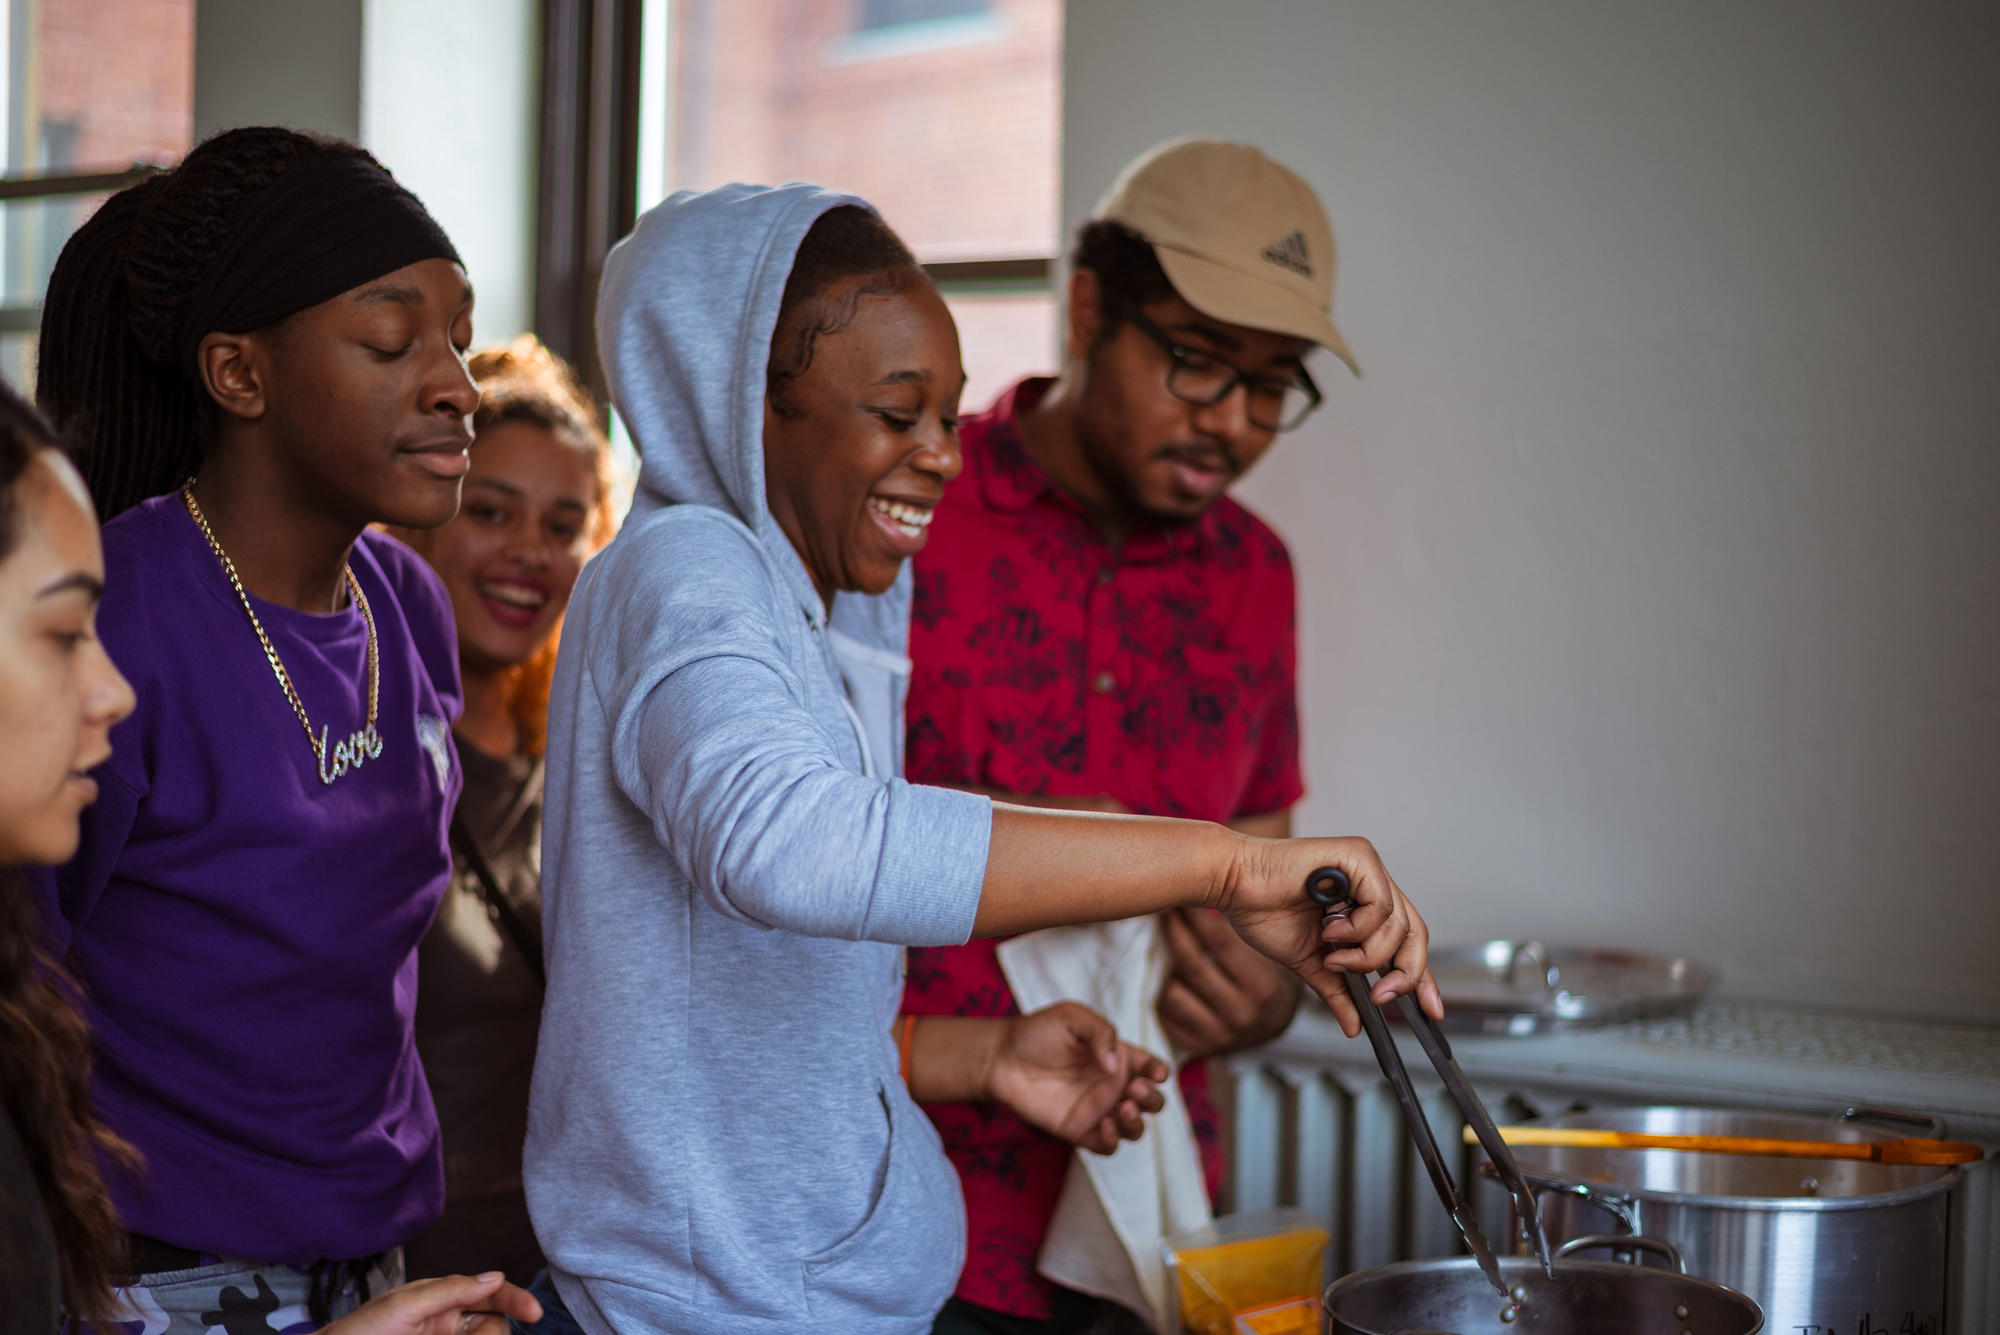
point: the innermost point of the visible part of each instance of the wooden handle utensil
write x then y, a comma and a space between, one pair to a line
1926, 1152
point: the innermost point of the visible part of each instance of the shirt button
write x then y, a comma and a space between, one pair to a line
1104, 683
1105, 574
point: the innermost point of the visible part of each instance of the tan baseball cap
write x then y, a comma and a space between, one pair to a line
1241, 238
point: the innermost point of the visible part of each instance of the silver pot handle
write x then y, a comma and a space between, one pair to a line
1623, 1208
1625, 1242
1536, 954
1933, 1125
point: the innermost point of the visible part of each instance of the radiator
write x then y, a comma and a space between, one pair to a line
1316, 1126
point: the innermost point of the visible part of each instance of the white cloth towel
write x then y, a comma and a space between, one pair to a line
1104, 1238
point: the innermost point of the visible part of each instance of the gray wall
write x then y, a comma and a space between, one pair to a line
1649, 575
451, 101
447, 93
287, 63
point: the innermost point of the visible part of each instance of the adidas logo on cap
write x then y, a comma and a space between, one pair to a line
1210, 210
1290, 253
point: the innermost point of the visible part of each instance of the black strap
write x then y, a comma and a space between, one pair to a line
503, 908
150, 1256
327, 1281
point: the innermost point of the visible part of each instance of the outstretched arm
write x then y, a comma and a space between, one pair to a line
1055, 868
1221, 995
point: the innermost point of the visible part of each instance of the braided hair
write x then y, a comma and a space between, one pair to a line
136, 421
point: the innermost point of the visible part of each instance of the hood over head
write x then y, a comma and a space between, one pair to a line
685, 313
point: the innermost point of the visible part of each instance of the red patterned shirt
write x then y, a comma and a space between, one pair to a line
1161, 676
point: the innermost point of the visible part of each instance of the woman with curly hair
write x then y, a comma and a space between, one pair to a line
538, 501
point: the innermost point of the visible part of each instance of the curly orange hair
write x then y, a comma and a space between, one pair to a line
525, 382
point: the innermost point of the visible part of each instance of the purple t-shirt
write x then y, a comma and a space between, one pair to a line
246, 935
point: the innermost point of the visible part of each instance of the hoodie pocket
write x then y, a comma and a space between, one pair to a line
904, 1257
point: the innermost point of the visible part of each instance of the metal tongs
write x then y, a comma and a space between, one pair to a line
1334, 893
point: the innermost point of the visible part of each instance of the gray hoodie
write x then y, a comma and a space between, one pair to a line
719, 1140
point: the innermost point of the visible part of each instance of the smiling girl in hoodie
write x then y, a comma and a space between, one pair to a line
720, 1140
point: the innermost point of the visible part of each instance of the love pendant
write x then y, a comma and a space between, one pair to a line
359, 748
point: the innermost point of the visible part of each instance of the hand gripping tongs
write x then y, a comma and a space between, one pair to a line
1334, 893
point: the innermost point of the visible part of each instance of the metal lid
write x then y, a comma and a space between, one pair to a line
1525, 987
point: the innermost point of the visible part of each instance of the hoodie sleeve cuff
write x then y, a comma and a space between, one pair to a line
933, 864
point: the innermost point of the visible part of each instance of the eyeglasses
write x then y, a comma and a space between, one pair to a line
1203, 380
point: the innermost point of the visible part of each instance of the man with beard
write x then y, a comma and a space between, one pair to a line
1099, 627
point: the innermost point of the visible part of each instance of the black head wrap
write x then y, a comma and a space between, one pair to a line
330, 222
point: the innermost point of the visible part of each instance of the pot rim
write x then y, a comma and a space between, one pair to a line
1795, 1204
1525, 1263
1528, 1264
1946, 1181
1881, 1200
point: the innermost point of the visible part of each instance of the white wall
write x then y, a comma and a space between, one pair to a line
1651, 575
451, 102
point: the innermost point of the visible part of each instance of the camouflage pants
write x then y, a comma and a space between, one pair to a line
228, 1296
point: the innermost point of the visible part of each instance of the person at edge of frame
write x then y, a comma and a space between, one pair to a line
62, 1245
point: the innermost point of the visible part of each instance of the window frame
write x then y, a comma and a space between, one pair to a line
588, 190
966, 9
26, 317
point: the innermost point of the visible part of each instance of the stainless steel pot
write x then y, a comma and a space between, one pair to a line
1452, 1297
1821, 1244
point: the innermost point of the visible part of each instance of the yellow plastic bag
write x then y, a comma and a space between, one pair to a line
1300, 1316
1258, 1266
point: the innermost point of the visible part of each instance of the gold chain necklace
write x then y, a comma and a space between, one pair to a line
359, 747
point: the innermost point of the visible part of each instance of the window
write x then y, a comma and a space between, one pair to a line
955, 140
91, 87
891, 13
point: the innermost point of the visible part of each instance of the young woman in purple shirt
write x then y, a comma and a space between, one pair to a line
256, 356
60, 697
